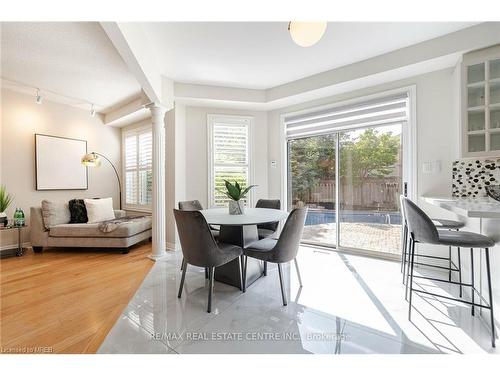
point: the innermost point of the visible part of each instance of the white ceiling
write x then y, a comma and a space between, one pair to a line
262, 55
74, 59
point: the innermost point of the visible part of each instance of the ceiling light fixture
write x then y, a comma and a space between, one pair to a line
306, 34
92, 111
38, 97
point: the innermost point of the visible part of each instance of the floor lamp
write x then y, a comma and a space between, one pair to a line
93, 160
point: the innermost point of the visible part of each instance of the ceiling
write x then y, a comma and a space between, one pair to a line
73, 59
261, 55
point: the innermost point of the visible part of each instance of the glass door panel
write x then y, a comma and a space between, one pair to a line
311, 183
369, 188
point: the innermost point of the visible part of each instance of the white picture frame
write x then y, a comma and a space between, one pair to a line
58, 163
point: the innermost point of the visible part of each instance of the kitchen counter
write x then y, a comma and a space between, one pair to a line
483, 208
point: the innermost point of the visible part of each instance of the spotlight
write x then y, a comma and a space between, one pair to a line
92, 111
38, 97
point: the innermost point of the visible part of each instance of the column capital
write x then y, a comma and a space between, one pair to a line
156, 107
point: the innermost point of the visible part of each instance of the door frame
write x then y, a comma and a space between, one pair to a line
410, 162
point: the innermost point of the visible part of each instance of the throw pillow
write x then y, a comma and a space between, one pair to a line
99, 209
55, 213
77, 211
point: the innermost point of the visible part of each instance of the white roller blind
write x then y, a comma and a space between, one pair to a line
138, 156
385, 110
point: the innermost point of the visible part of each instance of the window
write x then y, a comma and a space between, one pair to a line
229, 155
138, 164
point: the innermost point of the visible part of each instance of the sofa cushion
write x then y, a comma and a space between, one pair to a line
99, 209
55, 213
125, 229
77, 211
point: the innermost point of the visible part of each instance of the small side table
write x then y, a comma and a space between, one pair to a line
19, 251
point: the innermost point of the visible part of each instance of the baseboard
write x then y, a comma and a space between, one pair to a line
171, 246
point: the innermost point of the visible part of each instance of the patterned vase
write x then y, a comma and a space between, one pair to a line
236, 208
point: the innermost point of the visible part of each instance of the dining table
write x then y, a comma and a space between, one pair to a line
241, 230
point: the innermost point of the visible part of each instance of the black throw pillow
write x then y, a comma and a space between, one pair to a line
77, 211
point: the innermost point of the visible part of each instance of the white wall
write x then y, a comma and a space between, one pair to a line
197, 154
21, 118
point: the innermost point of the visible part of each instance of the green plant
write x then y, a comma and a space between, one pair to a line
235, 191
5, 199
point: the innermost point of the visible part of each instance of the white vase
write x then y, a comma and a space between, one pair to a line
236, 208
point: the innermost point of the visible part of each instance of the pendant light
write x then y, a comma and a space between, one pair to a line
306, 34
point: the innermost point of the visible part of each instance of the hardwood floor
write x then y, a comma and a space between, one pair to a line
66, 300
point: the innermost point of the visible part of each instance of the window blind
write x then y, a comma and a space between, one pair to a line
230, 160
381, 111
138, 156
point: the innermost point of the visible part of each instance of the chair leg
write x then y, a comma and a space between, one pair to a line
472, 278
206, 273
412, 261
179, 295
182, 264
403, 251
240, 272
408, 266
283, 296
211, 272
449, 263
460, 271
298, 271
490, 293
265, 268
245, 264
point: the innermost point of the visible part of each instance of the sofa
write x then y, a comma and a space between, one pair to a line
87, 235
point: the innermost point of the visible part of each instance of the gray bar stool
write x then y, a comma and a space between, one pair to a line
441, 224
421, 229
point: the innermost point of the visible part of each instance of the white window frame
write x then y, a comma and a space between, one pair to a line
234, 120
126, 131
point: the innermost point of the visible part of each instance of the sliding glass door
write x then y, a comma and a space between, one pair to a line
353, 203
311, 171
370, 182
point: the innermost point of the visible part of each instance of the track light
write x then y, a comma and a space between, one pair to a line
92, 111
38, 97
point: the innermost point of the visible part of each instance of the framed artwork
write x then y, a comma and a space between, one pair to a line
58, 163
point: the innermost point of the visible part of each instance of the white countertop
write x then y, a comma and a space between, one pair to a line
468, 207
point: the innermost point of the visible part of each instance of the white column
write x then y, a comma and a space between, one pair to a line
159, 243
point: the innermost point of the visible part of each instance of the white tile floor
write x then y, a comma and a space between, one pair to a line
348, 304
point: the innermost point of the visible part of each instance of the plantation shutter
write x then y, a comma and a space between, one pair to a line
387, 110
230, 142
138, 144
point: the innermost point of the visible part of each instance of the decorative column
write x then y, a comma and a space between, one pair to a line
159, 243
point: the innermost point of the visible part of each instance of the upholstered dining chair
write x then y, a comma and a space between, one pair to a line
200, 249
282, 250
422, 230
268, 229
195, 205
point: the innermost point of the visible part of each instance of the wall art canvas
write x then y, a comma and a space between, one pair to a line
58, 163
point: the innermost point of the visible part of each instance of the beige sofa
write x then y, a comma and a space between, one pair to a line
87, 235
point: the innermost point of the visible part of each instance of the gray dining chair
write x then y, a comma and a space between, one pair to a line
422, 230
441, 224
282, 250
195, 205
268, 229
200, 249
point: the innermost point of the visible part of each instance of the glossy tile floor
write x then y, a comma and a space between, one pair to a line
348, 304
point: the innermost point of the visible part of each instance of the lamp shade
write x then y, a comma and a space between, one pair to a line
306, 34
91, 160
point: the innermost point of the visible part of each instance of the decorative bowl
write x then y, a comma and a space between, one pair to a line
493, 191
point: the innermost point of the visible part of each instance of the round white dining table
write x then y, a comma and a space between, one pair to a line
251, 216
241, 230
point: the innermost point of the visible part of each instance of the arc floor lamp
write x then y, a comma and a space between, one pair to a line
93, 159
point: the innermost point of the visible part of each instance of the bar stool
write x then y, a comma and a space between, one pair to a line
441, 224
421, 229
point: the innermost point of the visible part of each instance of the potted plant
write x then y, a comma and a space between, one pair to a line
5, 201
236, 194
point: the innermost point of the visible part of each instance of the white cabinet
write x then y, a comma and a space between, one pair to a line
481, 103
